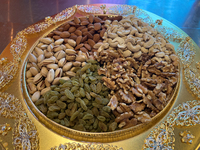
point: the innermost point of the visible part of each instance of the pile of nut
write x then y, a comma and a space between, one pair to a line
138, 66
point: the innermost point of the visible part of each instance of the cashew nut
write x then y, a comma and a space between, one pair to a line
149, 43
133, 30
123, 32
169, 46
119, 40
133, 48
112, 35
112, 44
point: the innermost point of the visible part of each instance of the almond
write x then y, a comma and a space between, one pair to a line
84, 30
74, 37
87, 46
79, 46
78, 32
96, 38
92, 31
97, 19
97, 26
78, 39
84, 39
50, 34
91, 18
91, 42
76, 20
61, 29
72, 29
72, 23
56, 37
81, 27
65, 34
102, 32
83, 18
89, 35
66, 27
83, 49
85, 22
57, 32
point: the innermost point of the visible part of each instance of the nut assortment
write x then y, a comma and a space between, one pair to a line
138, 67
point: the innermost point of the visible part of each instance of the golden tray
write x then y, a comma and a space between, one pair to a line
23, 127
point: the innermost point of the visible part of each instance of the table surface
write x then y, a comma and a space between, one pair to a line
15, 15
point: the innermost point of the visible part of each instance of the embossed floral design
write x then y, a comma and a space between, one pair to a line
7, 73
89, 9
65, 14
189, 114
10, 107
120, 9
161, 137
18, 45
4, 128
186, 52
139, 13
192, 77
84, 146
186, 137
25, 135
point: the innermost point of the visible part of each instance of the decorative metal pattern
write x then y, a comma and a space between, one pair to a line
80, 146
4, 128
10, 107
89, 9
139, 13
192, 78
186, 137
186, 52
65, 14
162, 136
25, 135
120, 9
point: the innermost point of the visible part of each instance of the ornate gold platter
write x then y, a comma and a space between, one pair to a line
22, 128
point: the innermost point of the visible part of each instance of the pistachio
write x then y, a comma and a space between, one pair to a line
44, 71
41, 85
32, 58
47, 84
45, 90
52, 66
76, 64
44, 46
33, 71
35, 96
56, 81
58, 72
31, 88
39, 51
28, 74
41, 58
46, 40
37, 78
80, 58
67, 66
68, 46
70, 57
50, 75
59, 41
47, 61
48, 54
61, 62
29, 80
58, 48
50, 47
70, 51
71, 42
60, 54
